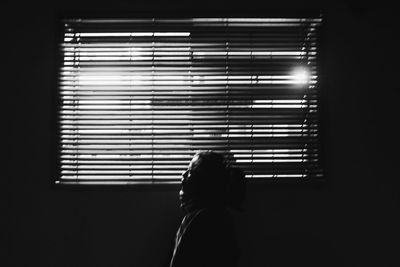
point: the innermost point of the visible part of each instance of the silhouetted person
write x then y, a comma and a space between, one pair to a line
206, 235
236, 188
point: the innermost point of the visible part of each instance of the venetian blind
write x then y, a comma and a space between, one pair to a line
138, 97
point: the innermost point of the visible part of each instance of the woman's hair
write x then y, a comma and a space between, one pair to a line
211, 166
215, 182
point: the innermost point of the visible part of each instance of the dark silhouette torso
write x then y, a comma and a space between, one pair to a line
205, 238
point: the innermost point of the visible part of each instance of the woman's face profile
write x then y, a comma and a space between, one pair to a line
204, 183
187, 181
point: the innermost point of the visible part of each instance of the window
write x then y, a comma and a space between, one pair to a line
138, 97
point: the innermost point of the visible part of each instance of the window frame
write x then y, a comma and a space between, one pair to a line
277, 184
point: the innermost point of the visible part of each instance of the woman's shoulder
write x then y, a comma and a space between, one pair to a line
213, 219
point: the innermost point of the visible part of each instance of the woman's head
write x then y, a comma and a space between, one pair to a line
205, 181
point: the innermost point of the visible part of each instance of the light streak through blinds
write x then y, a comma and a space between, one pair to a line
138, 97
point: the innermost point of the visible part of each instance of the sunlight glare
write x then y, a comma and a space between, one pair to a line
301, 75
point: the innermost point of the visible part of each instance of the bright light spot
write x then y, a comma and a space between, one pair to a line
301, 75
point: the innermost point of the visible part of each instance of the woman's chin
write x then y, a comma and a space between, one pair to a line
182, 196
184, 199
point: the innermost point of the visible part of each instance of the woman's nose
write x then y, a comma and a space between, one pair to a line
184, 176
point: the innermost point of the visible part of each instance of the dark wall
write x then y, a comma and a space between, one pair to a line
349, 223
